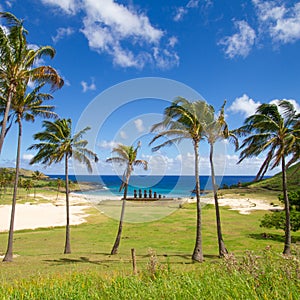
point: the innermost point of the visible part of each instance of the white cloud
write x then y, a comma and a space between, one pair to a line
27, 157
139, 125
240, 43
109, 25
86, 87
275, 19
123, 135
107, 144
181, 11
38, 61
61, 33
164, 58
193, 4
248, 106
68, 6
173, 40
66, 81
125, 58
249, 166
8, 4
120, 31
122, 21
294, 102
31, 84
244, 105
281, 22
159, 164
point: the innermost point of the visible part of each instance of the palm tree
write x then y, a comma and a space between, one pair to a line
17, 65
27, 184
278, 134
36, 176
27, 107
183, 120
125, 155
214, 130
4, 179
59, 183
58, 143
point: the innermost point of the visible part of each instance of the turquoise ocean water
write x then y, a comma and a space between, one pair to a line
167, 186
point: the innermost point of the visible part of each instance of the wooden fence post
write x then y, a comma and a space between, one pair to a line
133, 261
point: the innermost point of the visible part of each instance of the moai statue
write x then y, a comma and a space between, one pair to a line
145, 193
140, 193
150, 193
134, 194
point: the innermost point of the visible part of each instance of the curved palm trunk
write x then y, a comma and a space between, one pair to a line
222, 248
115, 247
288, 239
5, 117
68, 243
9, 252
198, 252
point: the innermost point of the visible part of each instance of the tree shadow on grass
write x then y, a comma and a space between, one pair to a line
82, 259
273, 237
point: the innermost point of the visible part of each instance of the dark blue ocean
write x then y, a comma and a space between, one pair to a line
168, 186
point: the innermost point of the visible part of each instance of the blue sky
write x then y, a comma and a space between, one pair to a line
246, 52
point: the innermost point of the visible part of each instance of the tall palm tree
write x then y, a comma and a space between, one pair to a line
36, 176
27, 185
183, 120
215, 129
17, 65
125, 155
58, 143
24, 107
277, 133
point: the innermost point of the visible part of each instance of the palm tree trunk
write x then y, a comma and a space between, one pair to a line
198, 252
288, 238
9, 252
5, 117
115, 247
68, 243
222, 248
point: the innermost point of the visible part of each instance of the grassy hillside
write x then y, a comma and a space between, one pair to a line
23, 172
275, 183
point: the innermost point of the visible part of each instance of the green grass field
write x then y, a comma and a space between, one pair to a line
163, 248
40, 262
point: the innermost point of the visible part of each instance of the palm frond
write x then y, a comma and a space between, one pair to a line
57, 142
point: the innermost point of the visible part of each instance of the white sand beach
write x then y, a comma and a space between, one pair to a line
242, 205
53, 213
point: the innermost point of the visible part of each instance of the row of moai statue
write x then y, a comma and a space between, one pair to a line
146, 195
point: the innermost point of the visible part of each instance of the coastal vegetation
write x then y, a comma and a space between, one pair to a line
277, 218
